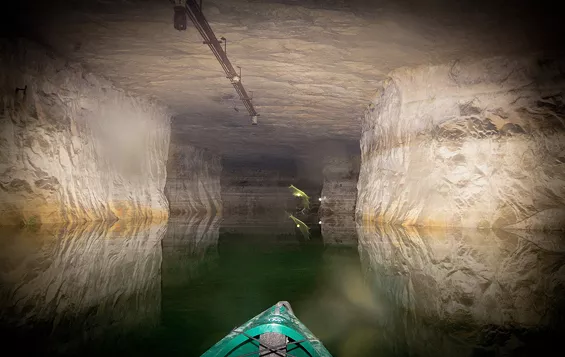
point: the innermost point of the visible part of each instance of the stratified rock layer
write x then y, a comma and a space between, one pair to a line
256, 196
339, 193
73, 147
193, 181
482, 288
467, 144
81, 283
311, 64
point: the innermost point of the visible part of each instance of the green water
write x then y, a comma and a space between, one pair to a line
176, 290
245, 277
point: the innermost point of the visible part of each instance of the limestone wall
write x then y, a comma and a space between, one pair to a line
256, 196
477, 144
73, 147
339, 193
193, 181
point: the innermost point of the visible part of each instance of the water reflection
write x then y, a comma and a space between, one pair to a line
65, 287
466, 292
339, 229
253, 267
189, 247
150, 289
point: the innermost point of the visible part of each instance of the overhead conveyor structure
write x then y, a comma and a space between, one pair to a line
194, 12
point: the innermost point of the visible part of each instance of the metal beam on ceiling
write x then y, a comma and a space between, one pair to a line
194, 12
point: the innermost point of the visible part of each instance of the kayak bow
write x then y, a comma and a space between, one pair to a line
274, 332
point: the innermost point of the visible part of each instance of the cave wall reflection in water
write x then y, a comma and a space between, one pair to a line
466, 292
217, 276
176, 288
189, 248
71, 288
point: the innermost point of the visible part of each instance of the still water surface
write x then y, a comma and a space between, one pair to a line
174, 290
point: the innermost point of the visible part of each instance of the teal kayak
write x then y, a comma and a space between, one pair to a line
274, 332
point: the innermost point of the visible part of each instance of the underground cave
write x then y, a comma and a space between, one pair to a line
282, 178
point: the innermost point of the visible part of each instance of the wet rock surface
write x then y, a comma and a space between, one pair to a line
73, 147
337, 207
78, 284
193, 181
477, 144
467, 291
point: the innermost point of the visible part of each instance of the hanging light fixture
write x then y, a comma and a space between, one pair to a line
180, 19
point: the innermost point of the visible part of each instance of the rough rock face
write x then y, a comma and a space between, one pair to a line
73, 147
193, 181
256, 196
312, 64
476, 144
339, 192
496, 283
81, 278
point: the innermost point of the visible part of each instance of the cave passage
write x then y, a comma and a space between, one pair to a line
403, 187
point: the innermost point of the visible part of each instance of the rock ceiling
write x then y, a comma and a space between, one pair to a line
312, 65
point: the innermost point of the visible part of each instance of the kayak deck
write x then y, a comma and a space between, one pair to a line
249, 339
